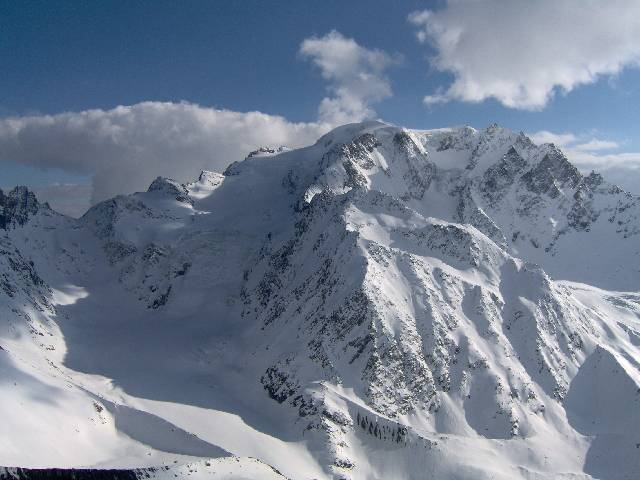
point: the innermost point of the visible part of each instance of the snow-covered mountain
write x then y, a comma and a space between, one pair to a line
386, 303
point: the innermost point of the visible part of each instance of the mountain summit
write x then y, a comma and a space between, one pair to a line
386, 303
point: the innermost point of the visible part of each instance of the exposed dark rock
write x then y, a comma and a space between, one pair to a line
171, 188
552, 173
499, 177
17, 207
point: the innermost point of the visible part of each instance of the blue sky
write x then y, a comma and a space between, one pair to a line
246, 56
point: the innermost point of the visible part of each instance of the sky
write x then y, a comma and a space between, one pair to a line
99, 98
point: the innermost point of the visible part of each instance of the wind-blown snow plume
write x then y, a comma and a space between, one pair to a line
521, 53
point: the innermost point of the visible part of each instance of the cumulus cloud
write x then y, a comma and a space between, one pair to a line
356, 76
595, 144
602, 155
560, 139
521, 52
124, 148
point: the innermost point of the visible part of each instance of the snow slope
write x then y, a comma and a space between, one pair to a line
386, 303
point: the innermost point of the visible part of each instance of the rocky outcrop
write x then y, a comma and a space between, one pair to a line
17, 206
170, 188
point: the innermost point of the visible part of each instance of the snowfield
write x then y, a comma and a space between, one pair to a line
384, 304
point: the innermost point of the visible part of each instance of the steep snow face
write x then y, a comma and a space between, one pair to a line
381, 304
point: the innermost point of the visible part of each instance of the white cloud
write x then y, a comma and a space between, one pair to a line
559, 139
584, 160
355, 74
522, 52
594, 145
125, 148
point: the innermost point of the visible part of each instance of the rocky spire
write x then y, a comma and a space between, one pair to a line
17, 207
